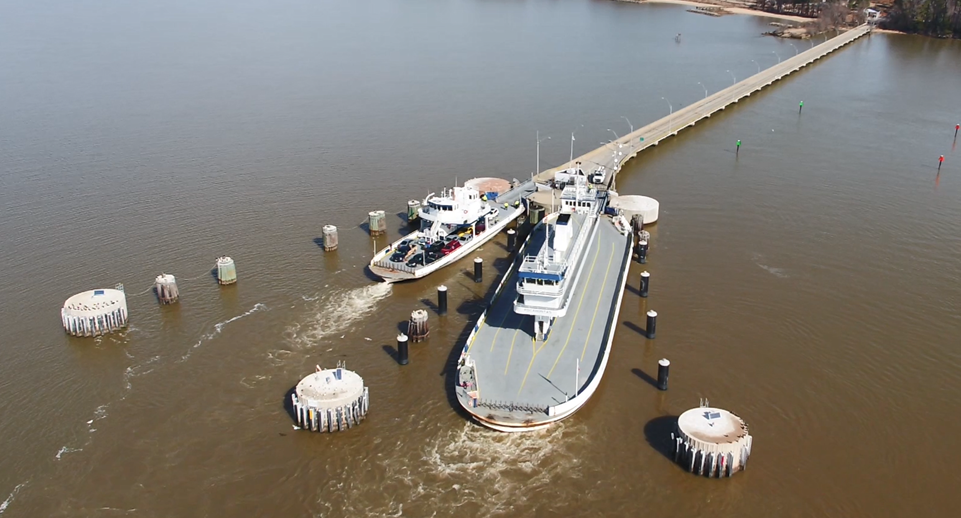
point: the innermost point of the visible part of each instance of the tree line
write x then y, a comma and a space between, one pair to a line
941, 18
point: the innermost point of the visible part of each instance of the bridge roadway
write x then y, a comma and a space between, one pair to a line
615, 154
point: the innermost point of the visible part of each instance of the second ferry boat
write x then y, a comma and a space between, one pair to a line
538, 352
453, 224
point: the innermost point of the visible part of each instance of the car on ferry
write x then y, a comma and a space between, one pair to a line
450, 247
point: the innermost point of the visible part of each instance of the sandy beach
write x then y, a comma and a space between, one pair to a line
731, 10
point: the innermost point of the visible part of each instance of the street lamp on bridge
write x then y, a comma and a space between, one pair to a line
539, 140
572, 141
704, 87
670, 116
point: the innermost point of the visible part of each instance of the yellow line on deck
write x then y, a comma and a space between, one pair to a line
499, 327
577, 312
511, 351
529, 365
598, 305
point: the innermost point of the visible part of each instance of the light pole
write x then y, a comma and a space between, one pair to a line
670, 116
572, 142
758, 66
628, 123
776, 54
733, 79
795, 48
539, 140
704, 87
616, 136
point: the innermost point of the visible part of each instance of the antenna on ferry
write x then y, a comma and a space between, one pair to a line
548, 226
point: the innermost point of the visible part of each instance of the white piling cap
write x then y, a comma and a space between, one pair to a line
442, 288
165, 278
642, 242
478, 260
664, 362
402, 337
224, 260
645, 274
330, 228
652, 313
94, 303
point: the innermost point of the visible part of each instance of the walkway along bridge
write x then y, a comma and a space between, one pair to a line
614, 154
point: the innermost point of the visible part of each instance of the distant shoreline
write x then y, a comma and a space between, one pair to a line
731, 10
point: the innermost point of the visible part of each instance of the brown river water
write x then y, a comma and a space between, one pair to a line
812, 284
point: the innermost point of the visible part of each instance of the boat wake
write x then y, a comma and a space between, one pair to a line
219, 326
13, 494
66, 449
138, 370
334, 313
777, 272
492, 473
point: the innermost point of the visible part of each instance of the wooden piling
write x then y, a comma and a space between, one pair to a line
377, 222
413, 208
166, 288
417, 327
226, 270
330, 238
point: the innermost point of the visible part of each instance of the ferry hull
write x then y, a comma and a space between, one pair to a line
482, 372
407, 274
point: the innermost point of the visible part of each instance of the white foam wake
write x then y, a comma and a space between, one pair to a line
335, 312
777, 272
66, 449
474, 467
219, 326
138, 370
13, 494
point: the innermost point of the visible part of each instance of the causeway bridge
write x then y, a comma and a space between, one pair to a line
617, 152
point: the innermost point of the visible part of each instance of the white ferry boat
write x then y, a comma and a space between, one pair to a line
453, 224
562, 295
